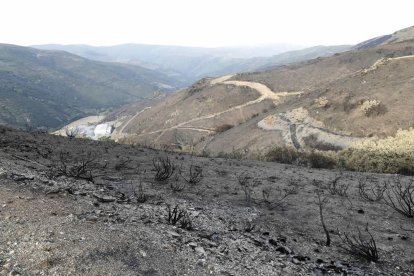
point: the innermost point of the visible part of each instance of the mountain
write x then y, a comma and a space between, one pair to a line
189, 64
404, 35
349, 99
52, 88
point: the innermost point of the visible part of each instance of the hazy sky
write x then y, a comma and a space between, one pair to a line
200, 22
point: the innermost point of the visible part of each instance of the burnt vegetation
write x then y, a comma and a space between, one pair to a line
360, 245
400, 197
80, 166
179, 216
286, 192
164, 168
371, 191
195, 174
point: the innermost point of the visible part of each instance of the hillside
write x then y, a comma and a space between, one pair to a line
82, 207
52, 88
327, 103
189, 64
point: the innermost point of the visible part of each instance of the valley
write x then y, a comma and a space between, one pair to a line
328, 104
50, 89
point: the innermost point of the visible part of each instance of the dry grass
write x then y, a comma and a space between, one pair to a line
389, 155
322, 102
371, 107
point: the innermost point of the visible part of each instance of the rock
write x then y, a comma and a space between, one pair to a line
282, 239
226, 273
284, 250
21, 177
91, 218
301, 258
201, 262
195, 214
3, 174
272, 242
104, 198
13, 273
320, 261
192, 245
200, 250
173, 234
143, 253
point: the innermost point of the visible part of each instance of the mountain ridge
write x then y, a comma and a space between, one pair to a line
190, 64
50, 88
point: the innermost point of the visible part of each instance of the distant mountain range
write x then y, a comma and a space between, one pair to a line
189, 64
52, 88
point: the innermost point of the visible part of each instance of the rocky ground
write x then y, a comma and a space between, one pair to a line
112, 218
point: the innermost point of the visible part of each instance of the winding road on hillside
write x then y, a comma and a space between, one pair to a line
264, 91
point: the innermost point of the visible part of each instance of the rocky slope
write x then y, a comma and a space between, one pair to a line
113, 218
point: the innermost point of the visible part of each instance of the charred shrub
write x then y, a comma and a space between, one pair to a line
81, 166
274, 198
71, 132
400, 197
179, 216
371, 192
336, 187
122, 163
248, 183
195, 174
164, 168
360, 245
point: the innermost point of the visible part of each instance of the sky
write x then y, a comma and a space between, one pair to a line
208, 23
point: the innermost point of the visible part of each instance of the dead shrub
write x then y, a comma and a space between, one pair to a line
275, 198
321, 204
400, 197
360, 245
338, 188
122, 163
164, 168
176, 185
195, 174
71, 132
79, 167
179, 216
248, 183
371, 192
